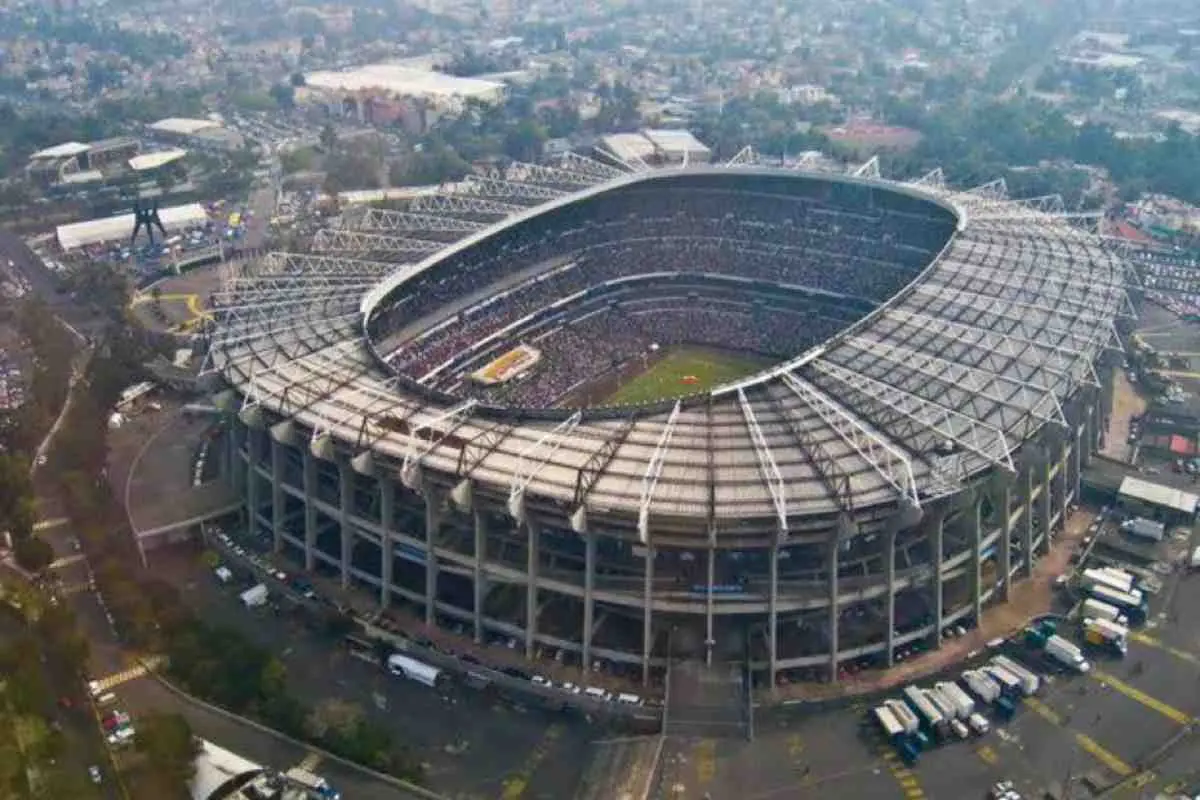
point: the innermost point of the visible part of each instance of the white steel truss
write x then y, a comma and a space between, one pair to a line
934, 179
1028, 399
767, 467
531, 461
984, 440
307, 266
423, 438
1028, 300
654, 470
525, 173
1010, 286
1062, 264
494, 187
448, 202
382, 220
996, 190
589, 166
341, 240
1074, 364
870, 169
743, 158
827, 467
892, 465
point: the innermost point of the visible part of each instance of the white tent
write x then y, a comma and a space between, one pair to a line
111, 229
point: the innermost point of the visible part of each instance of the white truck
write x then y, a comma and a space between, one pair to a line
1106, 634
1118, 581
1010, 685
1144, 528
1098, 609
981, 685
255, 596
903, 714
1029, 681
1067, 654
963, 705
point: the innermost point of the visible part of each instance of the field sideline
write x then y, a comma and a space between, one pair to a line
665, 378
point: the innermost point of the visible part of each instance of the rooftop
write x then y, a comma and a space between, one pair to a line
111, 229
64, 150
1158, 495
183, 126
399, 80
147, 161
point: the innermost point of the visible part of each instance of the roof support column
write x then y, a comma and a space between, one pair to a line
889, 571
234, 441
345, 503
310, 510
647, 614
1080, 445
253, 440
433, 520
480, 583
387, 551
1027, 539
589, 588
834, 609
977, 558
1046, 504
937, 533
773, 616
531, 587
277, 498
1004, 498
709, 640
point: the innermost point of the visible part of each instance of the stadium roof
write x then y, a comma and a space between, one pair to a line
979, 355
1156, 494
628, 146
111, 229
148, 161
183, 126
64, 150
403, 82
675, 142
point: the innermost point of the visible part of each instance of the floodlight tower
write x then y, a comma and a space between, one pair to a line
146, 217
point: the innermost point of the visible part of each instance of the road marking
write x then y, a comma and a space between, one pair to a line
310, 762
1148, 640
517, 784
706, 761
131, 674
75, 588
1044, 711
67, 561
47, 524
1138, 696
795, 747
909, 784
988, 755
1105, 757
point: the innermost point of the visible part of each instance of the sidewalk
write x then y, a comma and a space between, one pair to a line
1028, 598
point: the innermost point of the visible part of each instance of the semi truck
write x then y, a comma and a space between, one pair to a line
1098, 609
1133, 606
1030, 682
981, 685
1092, 578
1106, 635
903, 714
907, 747
933, 722
1010, 685
1144, 528
1067, 653
963, 705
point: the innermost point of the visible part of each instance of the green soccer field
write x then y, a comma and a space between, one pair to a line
665, 379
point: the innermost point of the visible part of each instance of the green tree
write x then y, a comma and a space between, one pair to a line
33, 553
170, 749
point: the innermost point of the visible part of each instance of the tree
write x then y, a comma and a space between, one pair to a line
33, 553
334, 718
170, 748
328, 138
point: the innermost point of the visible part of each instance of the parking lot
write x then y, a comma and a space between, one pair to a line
1108, 728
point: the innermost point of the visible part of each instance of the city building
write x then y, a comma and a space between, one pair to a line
198, 134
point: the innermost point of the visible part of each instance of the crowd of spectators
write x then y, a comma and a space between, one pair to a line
803, 245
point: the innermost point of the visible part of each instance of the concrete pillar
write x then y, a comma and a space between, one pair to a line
709, 635
531, 588
433, 519
589, 588
647, 615
480, 584
1004, 498
345, 507
253, 439
235, 437
310, 510
773, 615
1046, 504
834, 610
977, 558
1077, 477
937, 533
277, 501
1028, 528
889, 571
387, 555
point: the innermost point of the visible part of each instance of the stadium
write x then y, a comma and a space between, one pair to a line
622, 414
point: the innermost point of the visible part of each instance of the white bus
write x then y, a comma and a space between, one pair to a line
414, 670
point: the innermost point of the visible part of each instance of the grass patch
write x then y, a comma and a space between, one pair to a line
670, 376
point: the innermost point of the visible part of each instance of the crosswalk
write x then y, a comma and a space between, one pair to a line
909, 785
310, 762
125, 676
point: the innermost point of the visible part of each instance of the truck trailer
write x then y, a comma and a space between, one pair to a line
1067, 653
1133, 606
964, 706
1030, 682
1107, 635
1010, 685
1098, 609
932, 720
1092, 578
982, 685
903, 714
1144, 528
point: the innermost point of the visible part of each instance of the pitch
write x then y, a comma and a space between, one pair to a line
686, 370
